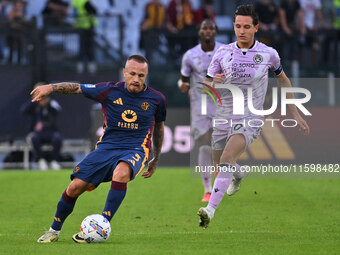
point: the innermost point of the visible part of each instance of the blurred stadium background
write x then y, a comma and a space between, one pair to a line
51, 53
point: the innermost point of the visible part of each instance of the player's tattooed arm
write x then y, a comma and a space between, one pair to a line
158, 136
66, 88
63, 88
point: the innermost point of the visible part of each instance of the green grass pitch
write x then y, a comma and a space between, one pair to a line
158, 216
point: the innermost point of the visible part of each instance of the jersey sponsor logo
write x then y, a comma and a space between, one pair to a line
89, 86
145, 106
124, 124
258, 58
129, 116
118, 101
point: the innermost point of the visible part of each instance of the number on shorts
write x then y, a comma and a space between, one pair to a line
135, 158
237, 127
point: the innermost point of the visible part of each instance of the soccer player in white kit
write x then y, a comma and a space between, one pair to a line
244, 63
195, 64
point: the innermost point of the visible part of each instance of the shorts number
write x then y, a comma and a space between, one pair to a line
237, 127
135, 158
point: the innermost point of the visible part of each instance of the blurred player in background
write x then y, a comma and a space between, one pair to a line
133, 113
195, 64
244, 63
43, 130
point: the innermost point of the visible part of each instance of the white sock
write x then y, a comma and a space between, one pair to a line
211, 210
56, 231
205, 160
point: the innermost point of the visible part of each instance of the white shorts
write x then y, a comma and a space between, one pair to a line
220, 137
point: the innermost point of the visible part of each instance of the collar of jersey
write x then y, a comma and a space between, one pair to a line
126, 91
251, 47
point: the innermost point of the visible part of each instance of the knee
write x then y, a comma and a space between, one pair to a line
228, 157
120, 175
122, 172
75, 189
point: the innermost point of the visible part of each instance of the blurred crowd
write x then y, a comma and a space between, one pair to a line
290, 26
15, 27
178, 20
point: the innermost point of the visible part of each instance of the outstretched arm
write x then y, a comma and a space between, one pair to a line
285, 82
158, 136
62, 88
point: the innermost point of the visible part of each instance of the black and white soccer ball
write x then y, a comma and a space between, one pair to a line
95, 228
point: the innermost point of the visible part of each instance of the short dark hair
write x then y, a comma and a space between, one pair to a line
209, 21
138, 58
247, 10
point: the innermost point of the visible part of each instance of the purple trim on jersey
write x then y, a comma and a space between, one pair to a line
105, 116
159, 94
100, 84
148, 141
102, 96
149, 138
157, 103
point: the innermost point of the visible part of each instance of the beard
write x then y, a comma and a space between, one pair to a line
207, 41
